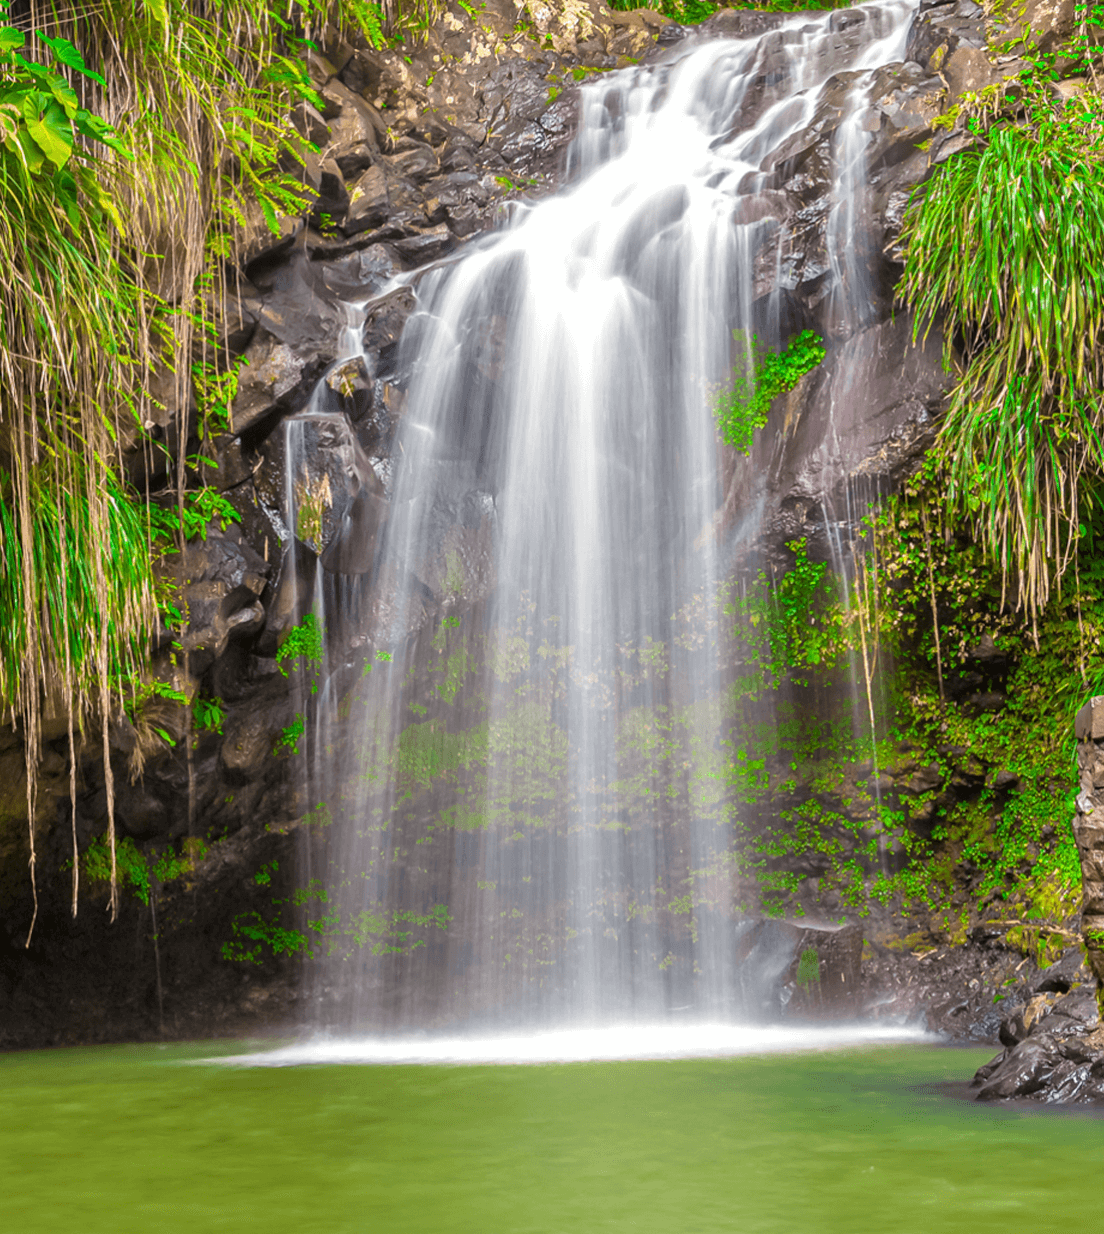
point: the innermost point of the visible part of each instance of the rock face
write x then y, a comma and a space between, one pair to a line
1054, 1045
1088, 827
420, 152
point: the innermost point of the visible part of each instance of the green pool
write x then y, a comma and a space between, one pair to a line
128, 1139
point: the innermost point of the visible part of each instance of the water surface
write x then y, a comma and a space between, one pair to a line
126, 1139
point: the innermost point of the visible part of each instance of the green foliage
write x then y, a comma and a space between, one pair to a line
757, 380
134, 867
259, 936
302, 647
288, 740
200, 507
1016, 846
141, 693
263, 877
209, 714
791, 621
215, 393
76, 600
808, 968
301, 651
1006, 245
189, 144
74, 591
254, 939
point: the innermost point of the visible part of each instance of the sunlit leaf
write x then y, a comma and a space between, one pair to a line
68, 55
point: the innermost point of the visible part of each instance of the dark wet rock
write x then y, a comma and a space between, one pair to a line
925, 779
353, 122
218, 583
369, 202
354, 160
1054, 1041
350, 383
338, 501
333, 196
257, 242
276, 377
250, 737
415, 161
384, 324
824, 981
425, 244
362, 273
310, 124
298, 334
887, 397
1047, 1068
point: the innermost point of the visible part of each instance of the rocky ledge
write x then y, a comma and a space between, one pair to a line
1054, 1043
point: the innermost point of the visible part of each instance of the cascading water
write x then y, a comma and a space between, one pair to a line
534, 823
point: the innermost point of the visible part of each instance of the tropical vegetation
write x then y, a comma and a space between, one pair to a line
139, 142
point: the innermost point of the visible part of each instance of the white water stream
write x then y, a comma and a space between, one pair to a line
558, 463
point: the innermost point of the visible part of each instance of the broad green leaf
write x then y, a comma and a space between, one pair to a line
10, 40
30, 153
70, 57
50, 128
89, 125
62, 91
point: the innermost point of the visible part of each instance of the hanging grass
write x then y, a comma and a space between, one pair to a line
139, 141
1006, 244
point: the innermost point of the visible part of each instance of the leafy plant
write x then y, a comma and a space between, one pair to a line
791, 620
759, 378
302, 649
209, 714
1006, 247
200, 507
215, 393
289, 737
253, 936
134, 868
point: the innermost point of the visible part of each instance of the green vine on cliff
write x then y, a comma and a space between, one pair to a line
759, 378
302, 649
137, 871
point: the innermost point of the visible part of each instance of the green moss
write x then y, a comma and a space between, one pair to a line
759, 377
134, 868
288, 740
428, 750
302, 649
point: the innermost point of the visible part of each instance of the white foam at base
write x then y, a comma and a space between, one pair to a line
610, 1044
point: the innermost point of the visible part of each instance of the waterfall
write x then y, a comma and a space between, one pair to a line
531, 818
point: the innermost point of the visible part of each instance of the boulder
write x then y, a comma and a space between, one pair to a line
300, 331
218, 582
337, 503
